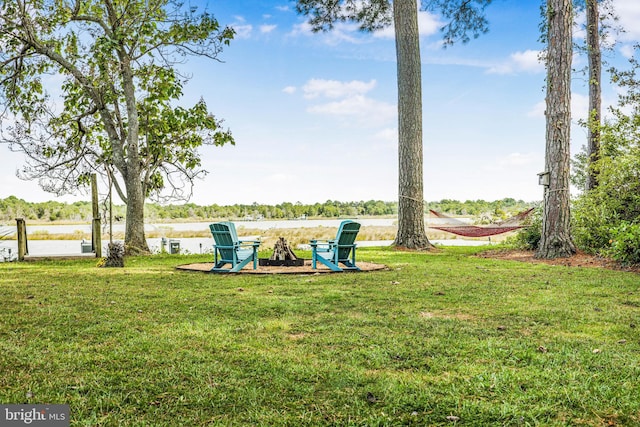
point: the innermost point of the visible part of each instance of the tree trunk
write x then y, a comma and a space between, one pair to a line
411, 230
595, 91
556, 222
134, 238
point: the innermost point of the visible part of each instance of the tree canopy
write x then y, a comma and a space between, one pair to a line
92, 86
464, 19
606, 217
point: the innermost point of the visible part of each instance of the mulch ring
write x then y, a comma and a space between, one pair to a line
205, 267
580, 259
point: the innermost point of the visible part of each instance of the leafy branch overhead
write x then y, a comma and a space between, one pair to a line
463, 19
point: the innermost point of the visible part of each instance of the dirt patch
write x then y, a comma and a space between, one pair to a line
305, 269
580, 259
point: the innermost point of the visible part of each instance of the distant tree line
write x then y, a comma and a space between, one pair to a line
13, 207
287, 210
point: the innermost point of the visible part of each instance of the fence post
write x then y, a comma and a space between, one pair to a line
23, 246
95, 231
97, 237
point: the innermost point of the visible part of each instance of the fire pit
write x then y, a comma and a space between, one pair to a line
282, 256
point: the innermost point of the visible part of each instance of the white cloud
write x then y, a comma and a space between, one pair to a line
579, 108
529, 60
336, 89
348, 101
385, 140
243, 30
387, 135
290, 90
627, 16
609, 36
538, 110
428, 24
629, 13
283, 8
366, 110
302, 29
344, 32
265, 29
579, 26
526, 61
340, 33
627, 50
515, 163
385, 33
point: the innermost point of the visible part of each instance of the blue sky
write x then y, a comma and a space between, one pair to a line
314, 115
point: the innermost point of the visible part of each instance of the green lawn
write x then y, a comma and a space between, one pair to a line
442, 338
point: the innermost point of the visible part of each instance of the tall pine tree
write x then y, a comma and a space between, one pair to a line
463, 17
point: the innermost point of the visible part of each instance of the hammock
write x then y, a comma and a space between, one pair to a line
461, 229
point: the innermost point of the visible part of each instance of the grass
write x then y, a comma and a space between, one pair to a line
441, 338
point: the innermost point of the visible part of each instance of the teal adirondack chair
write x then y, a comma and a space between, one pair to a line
228, 249
341, 250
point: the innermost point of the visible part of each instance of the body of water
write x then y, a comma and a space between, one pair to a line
204, 226
9, 248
